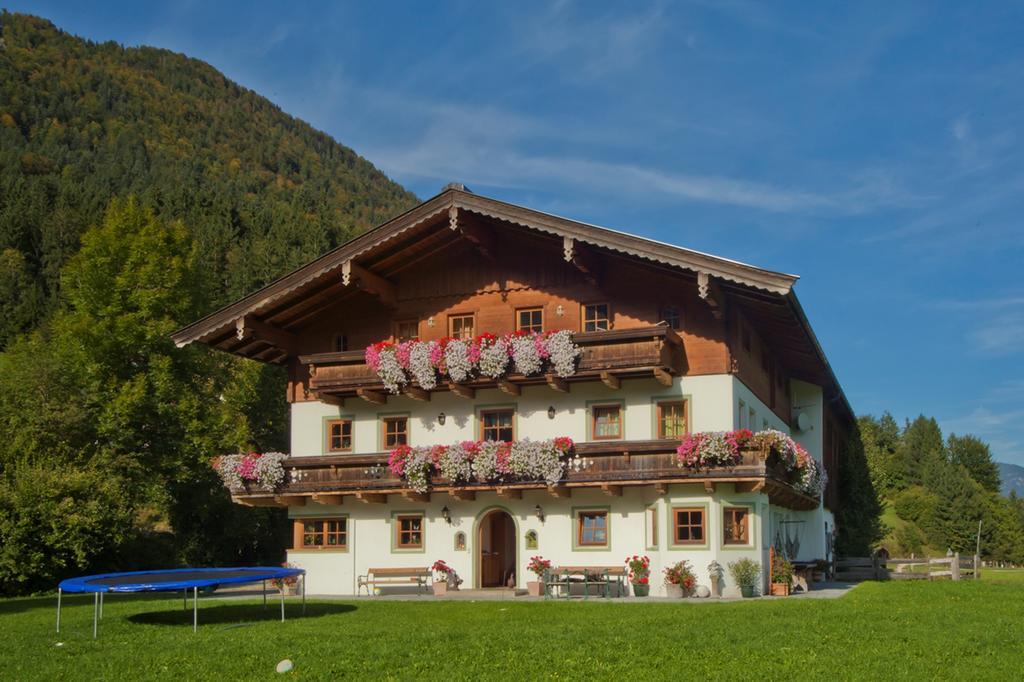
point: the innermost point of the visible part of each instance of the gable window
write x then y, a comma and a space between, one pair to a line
736, 525
339, 435
461, 326
339, 343
689, 526
409, 529
323, 533
592, 529
606, 422
395, 431
670, 316
530, 320
672, 419
407, 330
596, 317
497, 425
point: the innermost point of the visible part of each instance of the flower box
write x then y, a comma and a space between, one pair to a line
440, 588
674, 591
780, 589
535, 588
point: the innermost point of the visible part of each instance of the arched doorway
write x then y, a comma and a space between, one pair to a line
496, 549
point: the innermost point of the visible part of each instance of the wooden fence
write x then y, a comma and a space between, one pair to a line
877, 567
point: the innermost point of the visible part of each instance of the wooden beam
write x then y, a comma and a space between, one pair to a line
330, 499
292, 500
611, 490
417, 393
481, 239
328, 399
370, 282
560, 491
464, 495
557, 383
709, 487
372, 498
663, 377
508, 387
510, 493
413, 496
256, 501
371, 396
610, 380
661, 488
710, 293
249, 327
581, 258
750, 486
466, 392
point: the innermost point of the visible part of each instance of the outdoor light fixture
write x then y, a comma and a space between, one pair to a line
539, 512
430, 321
560, 311
446, 515
551, 412
440, 418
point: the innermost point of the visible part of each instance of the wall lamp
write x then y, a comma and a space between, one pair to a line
446, 514
551, 412
441, 418
539, 512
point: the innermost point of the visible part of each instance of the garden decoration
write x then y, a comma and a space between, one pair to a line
715, 573
539, 566
447, 578
679, 580
639, 574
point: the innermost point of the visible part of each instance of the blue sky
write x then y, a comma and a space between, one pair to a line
873, 149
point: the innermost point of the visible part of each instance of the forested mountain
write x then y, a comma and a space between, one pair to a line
1012, 478
81, 122
139, 190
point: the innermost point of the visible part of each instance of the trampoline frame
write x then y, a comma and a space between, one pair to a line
264, 572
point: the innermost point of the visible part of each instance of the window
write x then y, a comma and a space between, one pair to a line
744, 423
672, 419
689, 526
530, 320
606, 422
339, 343
670, 316
407, 330
339, 435
596, 317
592, 528
395, 431
324, 533
410, 531
497, 425
652, 527
736, 525
752, 419
461, 326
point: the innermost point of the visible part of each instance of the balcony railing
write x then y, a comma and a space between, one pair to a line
607, 356
608, 466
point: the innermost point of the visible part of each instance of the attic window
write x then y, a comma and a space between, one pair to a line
339, 343
596, 317
670, 316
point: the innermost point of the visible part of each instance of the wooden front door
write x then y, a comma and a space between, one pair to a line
497, 549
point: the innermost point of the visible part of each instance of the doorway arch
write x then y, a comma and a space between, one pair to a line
496, 548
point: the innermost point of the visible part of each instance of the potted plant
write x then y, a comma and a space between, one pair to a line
679, 580
538, 566
286, 585
447, 578
715, 573
782, 576
746, 573
639, 574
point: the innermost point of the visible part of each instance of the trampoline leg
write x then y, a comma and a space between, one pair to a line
184, 599
58, 608
282, 605
95, 613
303, 595
264, 594
101, 606
195, 609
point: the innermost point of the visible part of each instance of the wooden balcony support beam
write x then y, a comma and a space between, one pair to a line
251, 328
371, 396
710, 294
709, 487
662, 376
463, 495
466, 392
507, 386
329, 499
291, 500
255, 501
328, 399
611, 490
372, 498
661, 488
417, 393
413, 496
370, 282
557, 383
750, 486
560, 491
611, 381
510, 493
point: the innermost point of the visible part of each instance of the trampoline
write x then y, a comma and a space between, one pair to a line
172, 580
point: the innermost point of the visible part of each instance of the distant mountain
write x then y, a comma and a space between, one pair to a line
1012, 477
82, 122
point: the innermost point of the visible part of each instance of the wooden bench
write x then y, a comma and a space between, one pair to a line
381, 577
565, 577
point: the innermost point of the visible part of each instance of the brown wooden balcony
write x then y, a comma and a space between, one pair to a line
609, 466
607, 356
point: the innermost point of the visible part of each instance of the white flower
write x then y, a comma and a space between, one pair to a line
391, 373
420, 366
525, 356
494, 359
562, 353
456, 358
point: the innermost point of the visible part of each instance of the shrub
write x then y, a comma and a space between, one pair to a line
746, 572
782, 571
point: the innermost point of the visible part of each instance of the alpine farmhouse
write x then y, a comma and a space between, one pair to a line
664, 342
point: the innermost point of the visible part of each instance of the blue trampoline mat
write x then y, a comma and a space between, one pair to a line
170, 580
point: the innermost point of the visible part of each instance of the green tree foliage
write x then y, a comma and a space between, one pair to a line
858, 519
973, 454
81, 123
920, 447
880, 439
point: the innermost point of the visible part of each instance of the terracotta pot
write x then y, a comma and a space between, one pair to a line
641, 590
674, 591
780, 589
440, 589
535, 588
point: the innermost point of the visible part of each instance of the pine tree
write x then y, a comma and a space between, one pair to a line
974, 455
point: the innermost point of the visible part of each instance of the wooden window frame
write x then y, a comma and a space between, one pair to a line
481, 429
396, 327
676, 511
660, 421
384, 421
335, 345
583, 316
667, 311
651, 513
731, 509
602, 513
328, 436
300, 534
399, 531
530, 309
451, 324
593, 421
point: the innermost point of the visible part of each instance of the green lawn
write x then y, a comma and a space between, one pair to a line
926, 630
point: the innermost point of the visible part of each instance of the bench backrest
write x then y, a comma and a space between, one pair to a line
612, 570
399, 572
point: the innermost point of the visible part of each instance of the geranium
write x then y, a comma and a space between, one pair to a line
525, 356
562, 352
778, 443
810, 475
708, 449
538, 565
382, 357
484, 462
264, 471
446, 573
680, 574
639, 569
457, 362
493, 356
534, 460
456, 463
421, 364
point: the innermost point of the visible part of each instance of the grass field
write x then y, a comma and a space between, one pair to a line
878, 631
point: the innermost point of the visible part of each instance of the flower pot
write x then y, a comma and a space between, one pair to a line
780, 589
440, 589
673, 591
747, 591
535, 588
641, 590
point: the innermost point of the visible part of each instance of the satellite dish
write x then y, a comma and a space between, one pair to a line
803, 422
